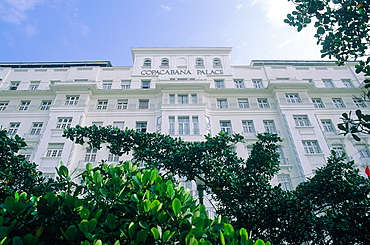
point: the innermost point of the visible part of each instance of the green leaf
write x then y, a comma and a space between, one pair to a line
147, 205
84, 226
155, 233
63, 171
176, 206
111, 220
259, 242
142, 235
85, 213
131, 230
320, 30
71, 233
222, 238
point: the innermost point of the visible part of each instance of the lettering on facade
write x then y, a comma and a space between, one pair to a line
180, 72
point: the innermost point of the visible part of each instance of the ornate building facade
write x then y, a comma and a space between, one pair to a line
185, 92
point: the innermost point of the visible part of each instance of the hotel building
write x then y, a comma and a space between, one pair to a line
185, 92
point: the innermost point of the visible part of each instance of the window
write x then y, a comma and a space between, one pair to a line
36, 128
147, 62
194, 98
311, 147
338, 103
292, 98
328, 83
145, 84
64, 122
24, 105
113, 158
269, 126
226, 127
171, 121
360, 103
182, 99
14, 85
285, 182
34, 85
248, 127
122, 104
13, 128
327, 126
3, 105
143, 104
222, 103
45, 105
102, 105
243, 103
125, 84
339, 150
120, 125
317, 103
347, 83
263, 103
363, 150
107, 85
216, 62
301, 121
72, 99
199, 62
239, 83
257, 83
99, 124
54, 150
219, 84
141, 126
195, 125
172, 98
184, 126
90, 155
165, 62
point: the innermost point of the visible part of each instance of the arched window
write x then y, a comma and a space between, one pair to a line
199, 62
216, 62
147, 62
165, 62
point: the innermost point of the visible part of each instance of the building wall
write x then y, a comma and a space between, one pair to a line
189, 87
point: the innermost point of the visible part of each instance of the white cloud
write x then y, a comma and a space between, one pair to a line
276, 10
166, 8
14, 11
239, 6
285, 43
30, 30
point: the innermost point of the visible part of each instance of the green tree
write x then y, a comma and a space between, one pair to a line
17, 174
337, 202
116, 204
240, 188
342, 30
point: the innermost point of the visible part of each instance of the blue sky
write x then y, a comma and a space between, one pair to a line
87, 30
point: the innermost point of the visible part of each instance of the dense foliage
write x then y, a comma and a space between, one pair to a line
342, 30
116, 204
241, 189
17, 174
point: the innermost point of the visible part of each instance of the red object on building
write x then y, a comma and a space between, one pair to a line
367, 171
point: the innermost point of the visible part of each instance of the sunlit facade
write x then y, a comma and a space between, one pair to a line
185, 92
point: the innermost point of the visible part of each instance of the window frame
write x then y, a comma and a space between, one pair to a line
311, 147
263, 103
143, 104
239, 83
102, 104
301, 121
222, 104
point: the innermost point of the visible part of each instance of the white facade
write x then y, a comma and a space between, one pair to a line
186, 92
